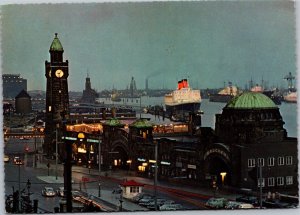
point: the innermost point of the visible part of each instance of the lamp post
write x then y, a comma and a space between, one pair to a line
121, 200
28, 185
155, 174
19, 163
99, 189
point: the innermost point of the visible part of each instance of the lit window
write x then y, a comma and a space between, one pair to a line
251, 162
288, 160
49, 109
260, 162
134, 189
261, 182
271, 182
289, 180
280, 181
280, 161
271, 161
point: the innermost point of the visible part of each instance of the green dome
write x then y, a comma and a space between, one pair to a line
113, 122
56, 45
142, 123
251, 100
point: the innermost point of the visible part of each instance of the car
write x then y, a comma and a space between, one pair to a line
60, 191
216, 203
246, 206
248, 199
140, 196
170, 207
48, 192
232, 205
145, 200
6, 158
16, 159
76, 195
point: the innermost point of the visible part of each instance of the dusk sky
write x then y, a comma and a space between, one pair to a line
207, 42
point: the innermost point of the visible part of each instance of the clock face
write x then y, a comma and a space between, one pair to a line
59, 73
49, 73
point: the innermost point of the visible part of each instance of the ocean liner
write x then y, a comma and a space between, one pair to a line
182, 101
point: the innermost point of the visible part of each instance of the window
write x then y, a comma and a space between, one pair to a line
261, 182
280, 161
251, 162
280, 181
288, 160
134, 189
271, 161
289, 180
271, 182
260, 162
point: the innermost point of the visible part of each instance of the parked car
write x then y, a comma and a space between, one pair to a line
248, 199
170, 207
48, 192
216, 203
76, 195
140, 196
60, 191
232, 205
246, 206
145, 200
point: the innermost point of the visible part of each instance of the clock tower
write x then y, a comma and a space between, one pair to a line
57, 97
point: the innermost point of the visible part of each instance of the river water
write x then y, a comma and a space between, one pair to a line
288, 110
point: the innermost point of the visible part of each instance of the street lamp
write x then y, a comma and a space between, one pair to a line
19, 163
28, 185
89, 166
155, 174
99, 189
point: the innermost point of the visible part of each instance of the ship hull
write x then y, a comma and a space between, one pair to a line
220, 98
182, 108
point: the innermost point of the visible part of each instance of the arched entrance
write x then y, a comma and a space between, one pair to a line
219, 170
217, 164
119, 158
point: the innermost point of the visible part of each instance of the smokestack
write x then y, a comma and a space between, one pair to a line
146, 84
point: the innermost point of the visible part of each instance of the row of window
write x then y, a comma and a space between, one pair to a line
288, 160
279, 181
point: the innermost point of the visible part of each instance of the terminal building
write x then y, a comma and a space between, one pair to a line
13, 84
248, 148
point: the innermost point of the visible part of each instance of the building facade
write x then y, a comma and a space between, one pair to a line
89, 95
13, 84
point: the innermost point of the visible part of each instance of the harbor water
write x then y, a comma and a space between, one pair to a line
288, 110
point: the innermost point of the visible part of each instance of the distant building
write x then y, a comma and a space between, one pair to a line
132, 87
23, 103
13, 84
89, 95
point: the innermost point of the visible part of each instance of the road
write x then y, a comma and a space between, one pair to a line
15, 147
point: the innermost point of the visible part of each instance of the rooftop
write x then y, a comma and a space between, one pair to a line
251, 100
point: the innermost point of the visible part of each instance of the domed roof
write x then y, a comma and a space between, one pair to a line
56, 45
251, 100
141, 123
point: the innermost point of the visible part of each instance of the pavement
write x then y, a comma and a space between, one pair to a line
113, 200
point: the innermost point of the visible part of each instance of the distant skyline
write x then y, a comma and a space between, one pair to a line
207, 42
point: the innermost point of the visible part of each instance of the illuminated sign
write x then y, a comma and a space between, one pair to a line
69, 138
141, 159
152, 161
191, 166
218, 151
165, 163
93, 141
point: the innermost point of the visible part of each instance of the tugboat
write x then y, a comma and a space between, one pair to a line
182, 101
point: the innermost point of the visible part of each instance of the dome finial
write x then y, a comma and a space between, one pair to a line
56, 35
